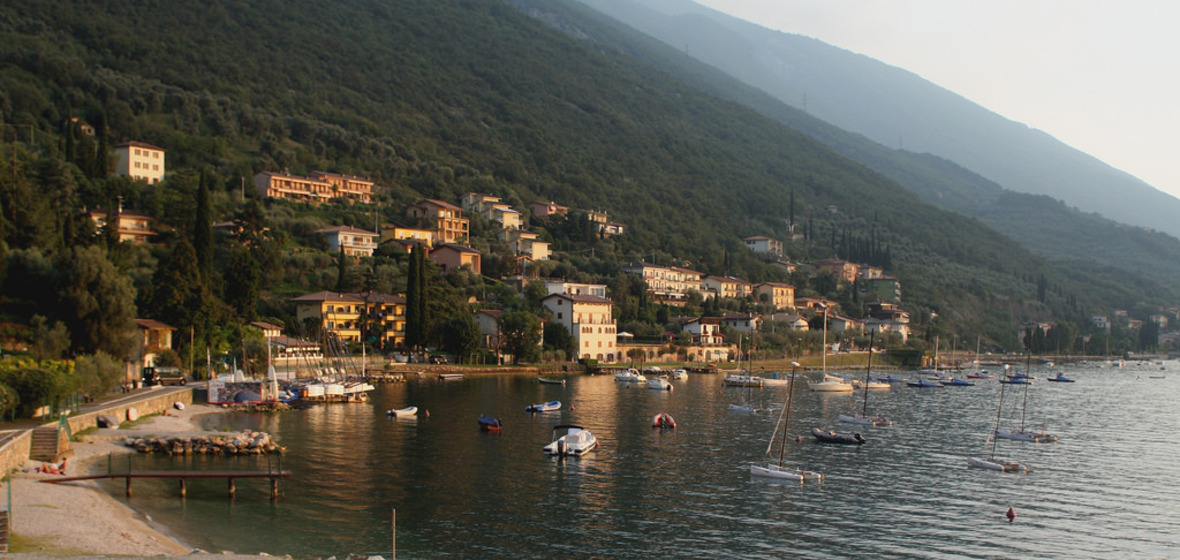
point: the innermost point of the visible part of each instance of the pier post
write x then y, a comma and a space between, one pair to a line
231, 487
274, 488
128, 485
183, 489
393, 554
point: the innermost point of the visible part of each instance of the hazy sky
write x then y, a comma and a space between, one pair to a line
1101, 76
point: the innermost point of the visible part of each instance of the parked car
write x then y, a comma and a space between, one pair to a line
439, 360
163, 375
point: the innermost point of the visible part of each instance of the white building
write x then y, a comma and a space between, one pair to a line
589, 321
763, 244
140, 160
575, 288
355, 242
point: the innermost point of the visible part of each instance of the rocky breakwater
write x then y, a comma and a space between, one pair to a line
243, 443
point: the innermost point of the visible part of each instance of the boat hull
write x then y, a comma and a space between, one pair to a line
402, 412
1025, 436
543, 407
825, 436
779, 472
996, 465
489, 423
663, 421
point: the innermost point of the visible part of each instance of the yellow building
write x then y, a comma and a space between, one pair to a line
345, 314
781, 296
444, 219
320, 187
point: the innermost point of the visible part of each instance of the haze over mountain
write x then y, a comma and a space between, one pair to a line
897, 108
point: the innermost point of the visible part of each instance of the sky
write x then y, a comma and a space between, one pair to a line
1101, 76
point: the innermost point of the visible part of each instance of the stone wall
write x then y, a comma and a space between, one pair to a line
14, 451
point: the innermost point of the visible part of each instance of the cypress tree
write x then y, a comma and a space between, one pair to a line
413, 296
341, 271
203, 232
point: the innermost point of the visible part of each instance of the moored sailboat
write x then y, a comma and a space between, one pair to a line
991, 462
776, 469
864, 418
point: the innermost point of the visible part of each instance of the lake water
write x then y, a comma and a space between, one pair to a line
1107, 489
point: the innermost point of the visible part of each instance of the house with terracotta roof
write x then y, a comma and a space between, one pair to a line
345, 314
526, 243
705, 331
781, 296
133, 227
452, 257
320, 187
353, 242
841, 269
590, 321
140, 160
444, 219
745, 322
764, 244
727, 287
668, 284
545, 210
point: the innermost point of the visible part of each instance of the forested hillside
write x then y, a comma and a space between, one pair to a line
897, 108
1086, 242
435, 99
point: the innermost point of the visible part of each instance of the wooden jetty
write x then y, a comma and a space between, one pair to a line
183, 476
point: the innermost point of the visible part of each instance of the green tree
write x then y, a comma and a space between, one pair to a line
95, 301
558, 337
98, 373
520, 335
461, 336
414, 296
203, 231
50, 342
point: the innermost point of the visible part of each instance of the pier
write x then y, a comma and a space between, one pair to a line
183, 476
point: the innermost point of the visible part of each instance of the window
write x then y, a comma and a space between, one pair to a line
559, 315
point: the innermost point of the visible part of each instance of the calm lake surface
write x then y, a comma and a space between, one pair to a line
1108, 489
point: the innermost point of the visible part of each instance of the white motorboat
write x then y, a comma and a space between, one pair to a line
630, 375
576, 441
402, 412
660, 383
678, 374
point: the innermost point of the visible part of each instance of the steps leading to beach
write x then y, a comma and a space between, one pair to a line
49, 444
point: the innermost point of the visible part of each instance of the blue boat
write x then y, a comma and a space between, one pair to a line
1061, 378
543, 407
956, 382
1013, 380
924, 383
891, 379
489, 423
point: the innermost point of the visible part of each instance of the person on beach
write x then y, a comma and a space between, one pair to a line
51, 468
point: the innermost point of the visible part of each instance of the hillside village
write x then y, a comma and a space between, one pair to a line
585, 310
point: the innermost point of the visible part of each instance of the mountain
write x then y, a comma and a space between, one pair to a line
1081, 240
435, 99
897, 108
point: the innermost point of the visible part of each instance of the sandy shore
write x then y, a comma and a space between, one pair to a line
78, 519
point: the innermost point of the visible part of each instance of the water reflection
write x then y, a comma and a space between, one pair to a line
687, 493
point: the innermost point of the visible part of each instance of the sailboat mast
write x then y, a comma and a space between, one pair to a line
999, 407
868, 376
782, 449
1024, 403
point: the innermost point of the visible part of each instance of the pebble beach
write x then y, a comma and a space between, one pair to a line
79, 519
